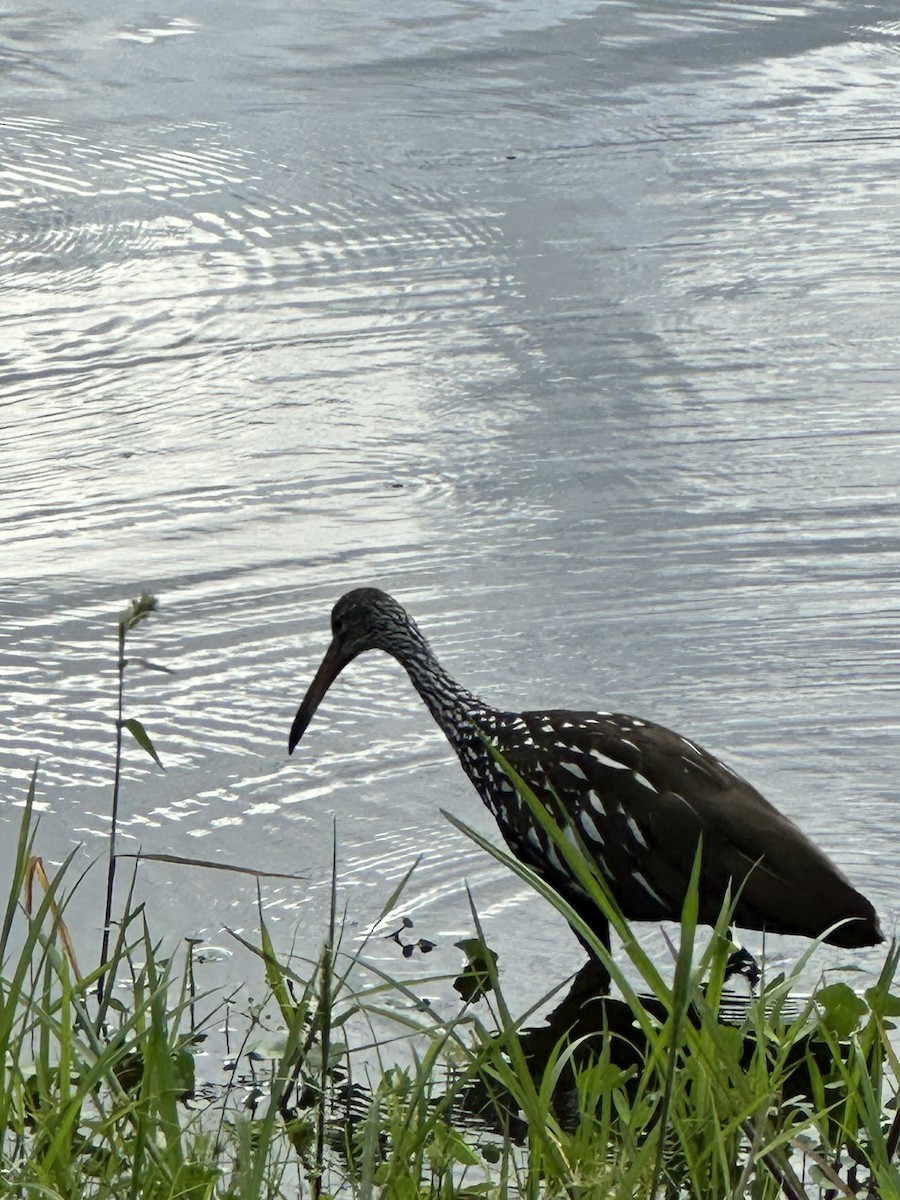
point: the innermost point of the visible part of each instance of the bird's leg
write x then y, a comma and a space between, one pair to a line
602, 982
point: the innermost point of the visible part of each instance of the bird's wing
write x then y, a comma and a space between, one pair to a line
652, 794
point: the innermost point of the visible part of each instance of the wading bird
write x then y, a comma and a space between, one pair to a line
639, 797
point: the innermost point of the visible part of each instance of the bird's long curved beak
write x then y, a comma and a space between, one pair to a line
336, 658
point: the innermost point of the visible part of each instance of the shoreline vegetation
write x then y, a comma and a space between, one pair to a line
667, 1090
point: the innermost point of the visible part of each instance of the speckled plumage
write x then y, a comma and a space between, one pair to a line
638, 796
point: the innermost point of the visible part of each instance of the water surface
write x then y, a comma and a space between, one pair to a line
573, 325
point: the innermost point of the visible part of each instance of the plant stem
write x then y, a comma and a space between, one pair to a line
111, 868
326, 1001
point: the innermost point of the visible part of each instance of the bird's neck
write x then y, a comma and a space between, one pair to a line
452, 706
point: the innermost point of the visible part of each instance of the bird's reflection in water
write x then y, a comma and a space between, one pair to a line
585, 1018
592, 1022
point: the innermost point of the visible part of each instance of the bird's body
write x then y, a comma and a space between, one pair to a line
637, 796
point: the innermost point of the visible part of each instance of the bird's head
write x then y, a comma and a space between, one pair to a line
364, 619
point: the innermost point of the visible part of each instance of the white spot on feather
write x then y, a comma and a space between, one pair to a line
571, 836
590, 828
686, 803
574, 769
642, 882
596, 803
534, 840
555, 859
607, 762
635, 832
644, 782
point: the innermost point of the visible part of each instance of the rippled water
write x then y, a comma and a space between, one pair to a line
573, 325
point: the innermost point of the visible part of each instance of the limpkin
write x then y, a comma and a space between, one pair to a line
638, 795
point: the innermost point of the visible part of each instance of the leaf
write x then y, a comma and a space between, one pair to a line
150, 666
448, 1147
137, 611
140, 735
882, 1002
181, 861
474, 981
841, 1008
35, 871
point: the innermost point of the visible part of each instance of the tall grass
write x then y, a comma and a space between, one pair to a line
650, 1091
